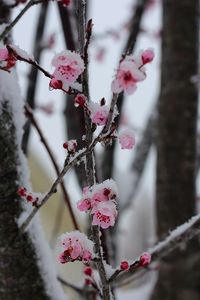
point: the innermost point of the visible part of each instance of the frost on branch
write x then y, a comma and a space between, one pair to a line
76, 246
131, 70
68, 67
100, 201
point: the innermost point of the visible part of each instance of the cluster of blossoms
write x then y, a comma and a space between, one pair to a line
31, 198
131, 70
68, 67
100, 201
7, 60
76, 246
70, 146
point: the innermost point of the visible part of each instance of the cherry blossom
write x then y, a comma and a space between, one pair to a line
76, 246
98, 113
7, 60
68, 67
131, 70
87, 271
70, 145
127, 141
145, 259
104, 214
84, 204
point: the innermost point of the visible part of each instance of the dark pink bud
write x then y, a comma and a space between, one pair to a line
87, 271
55, 84
124, 265
21, 192
147, 56
79, 100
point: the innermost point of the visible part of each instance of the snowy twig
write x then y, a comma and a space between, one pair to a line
18, 17
181, 235
90, 167
32, 119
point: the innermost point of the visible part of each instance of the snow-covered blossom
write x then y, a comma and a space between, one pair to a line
75, 246
127, 141
100, 201
7, 60
131, 70
98, 113
70, 145
145, 259
68, 67
124, 265
79, 100
32, 198
104, 214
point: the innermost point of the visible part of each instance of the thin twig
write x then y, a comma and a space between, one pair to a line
32, 119
18, 17
179, 236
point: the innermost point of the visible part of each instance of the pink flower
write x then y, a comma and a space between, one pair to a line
124, 265
76, 246
68, 67
147, 56
127, 76
99, 114
70, 145
145, 259
84, 205
104, 214
98, 197
131, 70
126, 141
7, 60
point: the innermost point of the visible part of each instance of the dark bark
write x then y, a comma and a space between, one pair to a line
179, 274
33, 75
74, 117
19, 274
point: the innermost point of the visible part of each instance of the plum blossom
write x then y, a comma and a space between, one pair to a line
127, 141
104, 214
98, 113
68, 67
131, 70
145, 259
100, 201
7, 60
75, 246
70, 145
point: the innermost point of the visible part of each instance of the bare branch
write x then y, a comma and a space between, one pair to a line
18, 17
33, 121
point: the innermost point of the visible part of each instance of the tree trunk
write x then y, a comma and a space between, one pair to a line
179, 273
20, 277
